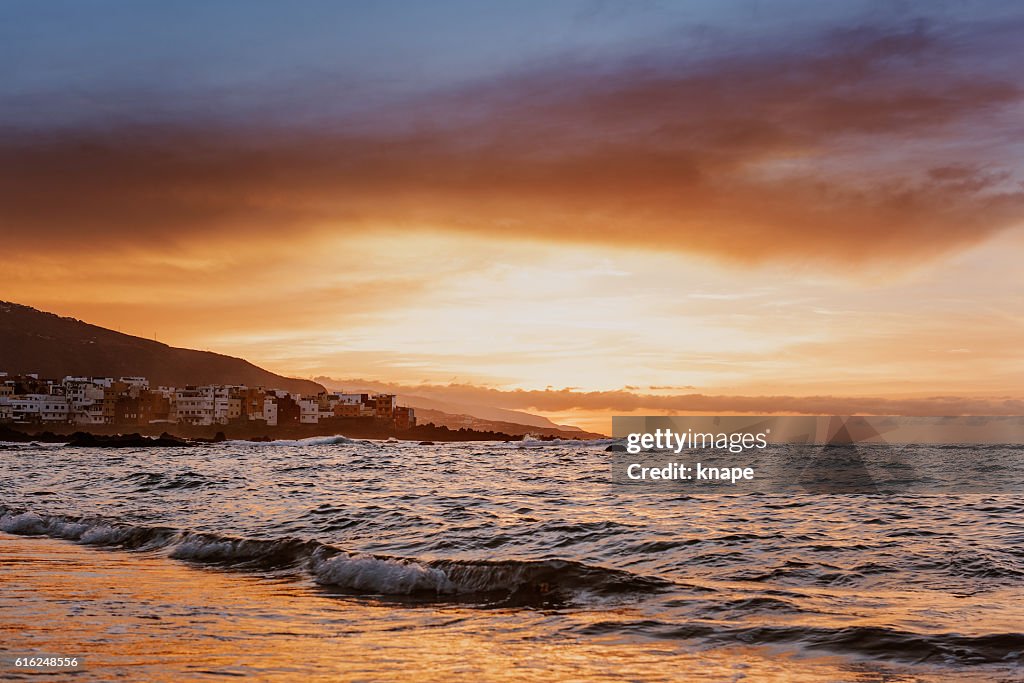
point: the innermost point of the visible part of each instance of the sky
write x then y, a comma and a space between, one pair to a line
578, 209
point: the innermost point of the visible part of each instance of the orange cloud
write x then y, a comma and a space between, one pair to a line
747, 156
622, 401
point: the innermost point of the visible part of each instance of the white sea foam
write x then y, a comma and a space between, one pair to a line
65, 529
103, 534
29, 523
199, 549
26, 523
378, 575
85, 531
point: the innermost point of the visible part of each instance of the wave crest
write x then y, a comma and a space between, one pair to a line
519, 581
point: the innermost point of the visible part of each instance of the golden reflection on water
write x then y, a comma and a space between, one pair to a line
142, 616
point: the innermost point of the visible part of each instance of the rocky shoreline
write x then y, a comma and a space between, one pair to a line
108, 438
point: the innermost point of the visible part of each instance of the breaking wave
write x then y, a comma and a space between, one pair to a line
503, 581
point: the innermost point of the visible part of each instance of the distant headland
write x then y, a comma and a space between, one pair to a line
60, 375
91, 410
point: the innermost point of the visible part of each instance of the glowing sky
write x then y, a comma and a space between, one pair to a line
643, 203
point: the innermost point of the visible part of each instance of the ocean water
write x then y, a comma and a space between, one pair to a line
335, 559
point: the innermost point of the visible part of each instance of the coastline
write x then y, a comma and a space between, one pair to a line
190, 434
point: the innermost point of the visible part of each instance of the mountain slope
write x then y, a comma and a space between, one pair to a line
484, 413
44, 343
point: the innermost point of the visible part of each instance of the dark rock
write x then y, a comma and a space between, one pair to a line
87, 440
217, 438
8, 434
49, 437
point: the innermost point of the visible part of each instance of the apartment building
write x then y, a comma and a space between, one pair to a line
27, 399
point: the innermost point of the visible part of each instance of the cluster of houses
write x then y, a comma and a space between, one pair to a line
27, 399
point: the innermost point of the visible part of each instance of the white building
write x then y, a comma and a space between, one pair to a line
84, 399
309, 411
221, 404
36, 408
270, 411
194, 405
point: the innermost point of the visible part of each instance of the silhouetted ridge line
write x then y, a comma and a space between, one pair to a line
33, 341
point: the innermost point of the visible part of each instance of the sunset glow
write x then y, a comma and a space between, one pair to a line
701, 212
